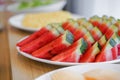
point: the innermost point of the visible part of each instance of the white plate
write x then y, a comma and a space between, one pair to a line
45, 8
81, 69
58, 63
16, 21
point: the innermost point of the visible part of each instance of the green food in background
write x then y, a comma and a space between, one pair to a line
34, 3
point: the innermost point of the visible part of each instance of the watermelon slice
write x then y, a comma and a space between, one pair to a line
41, 41
114, 52
95, 20
102, 41
110, 31
118, 25
56, 46
80, 32
58, 27
109, 51
65, 24
118, 46
75, 29
96, 33
104, 25
105, 54
82, 21
88, 26
91, 53
67, 40
69, 22
89, 56
70, 25
89, 39
73, 54
117, 39
34, 35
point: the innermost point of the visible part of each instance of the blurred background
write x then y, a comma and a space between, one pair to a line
89, 8
85, 8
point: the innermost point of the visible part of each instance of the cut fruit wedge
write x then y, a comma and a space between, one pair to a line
34, 36
56, 46
74, 53
109, 51
40, 41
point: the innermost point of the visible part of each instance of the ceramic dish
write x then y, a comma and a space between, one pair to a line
80, 69
45, 8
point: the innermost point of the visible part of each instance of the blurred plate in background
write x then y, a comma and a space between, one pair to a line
80, 69
43, 8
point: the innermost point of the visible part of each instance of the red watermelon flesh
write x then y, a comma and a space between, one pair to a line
96, 33
110, 50
39, 42
90, 54
43, 51
96, 23
118, 49
75, 29
34, 36
74, 53
65, 24
103, 27
107, 55
110, 31
101, 57
114, 52
70, 25
55, 46
80, 32
95, 20
63, 57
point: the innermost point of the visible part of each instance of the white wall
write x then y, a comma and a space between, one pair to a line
100, 7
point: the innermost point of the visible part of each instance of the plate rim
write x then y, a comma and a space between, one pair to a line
11, 22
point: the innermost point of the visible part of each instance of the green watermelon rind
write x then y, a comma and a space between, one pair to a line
67, 38
96, 48
58, 27
83, 46
112, 42
91, 39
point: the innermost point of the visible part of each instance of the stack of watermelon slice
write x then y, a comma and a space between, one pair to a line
81, 40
